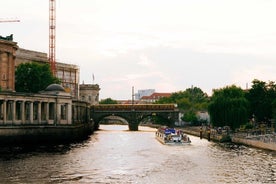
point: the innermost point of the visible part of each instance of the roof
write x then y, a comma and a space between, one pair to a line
156, 96
55, 87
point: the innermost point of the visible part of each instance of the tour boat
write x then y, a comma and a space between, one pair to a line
172, 136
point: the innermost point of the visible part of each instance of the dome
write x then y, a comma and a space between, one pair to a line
55, 87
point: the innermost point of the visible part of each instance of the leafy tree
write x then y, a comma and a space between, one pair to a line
108, 101
190, 116
190, 101
228, 107
261, 97
160, 120
33, 77
192, 98
274, 112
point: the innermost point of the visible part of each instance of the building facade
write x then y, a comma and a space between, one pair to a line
90, 93
153, 97
143, 92
7, 61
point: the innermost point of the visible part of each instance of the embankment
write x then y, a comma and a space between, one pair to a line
269, 143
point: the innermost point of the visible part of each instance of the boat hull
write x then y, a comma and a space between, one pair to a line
172, 143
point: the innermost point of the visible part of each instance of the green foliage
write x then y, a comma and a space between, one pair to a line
248, 126
108, 101
160, 120
228, 107
33, 77
274, 109
190, 116
190, 99
0, 88
261, 97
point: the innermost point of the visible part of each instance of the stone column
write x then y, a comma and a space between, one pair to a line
58, 113
13, 111
39, 112
69, 113
22, 107
47, 112
11, 72
31, 112
5, 111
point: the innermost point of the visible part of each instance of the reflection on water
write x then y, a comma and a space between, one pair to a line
116, 155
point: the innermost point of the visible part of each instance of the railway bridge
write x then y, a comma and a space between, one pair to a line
135, 113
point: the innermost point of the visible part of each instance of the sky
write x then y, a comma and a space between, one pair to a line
166, 45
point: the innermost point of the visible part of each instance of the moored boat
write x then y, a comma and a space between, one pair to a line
167, 135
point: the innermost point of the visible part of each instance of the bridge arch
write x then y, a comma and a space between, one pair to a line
105, 115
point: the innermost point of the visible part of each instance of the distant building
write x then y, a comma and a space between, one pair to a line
90, 93
143, 92
154, 97
203, 115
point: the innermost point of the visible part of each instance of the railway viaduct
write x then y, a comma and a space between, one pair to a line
134, 114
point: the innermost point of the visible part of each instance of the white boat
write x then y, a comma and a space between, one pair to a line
172, 136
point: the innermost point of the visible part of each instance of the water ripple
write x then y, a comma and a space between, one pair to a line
114, 155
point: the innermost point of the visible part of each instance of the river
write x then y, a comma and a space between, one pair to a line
115, 155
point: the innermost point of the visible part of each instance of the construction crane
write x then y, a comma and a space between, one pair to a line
9, 20
52, 36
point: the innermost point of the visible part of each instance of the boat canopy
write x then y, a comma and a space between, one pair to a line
169, 131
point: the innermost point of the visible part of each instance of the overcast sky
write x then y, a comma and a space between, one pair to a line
166, 45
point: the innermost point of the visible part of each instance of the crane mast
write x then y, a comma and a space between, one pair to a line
52, 35
11, 20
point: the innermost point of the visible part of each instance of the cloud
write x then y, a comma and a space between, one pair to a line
144, 61
168, 47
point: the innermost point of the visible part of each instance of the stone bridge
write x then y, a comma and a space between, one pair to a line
134, 114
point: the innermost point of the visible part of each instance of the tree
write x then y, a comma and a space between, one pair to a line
228, 107
192, 98
33, 77
108, 101
261, 97
190, 116
189, 101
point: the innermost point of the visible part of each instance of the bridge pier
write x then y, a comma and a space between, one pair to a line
133, 126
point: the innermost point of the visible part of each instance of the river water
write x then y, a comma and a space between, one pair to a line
115, 155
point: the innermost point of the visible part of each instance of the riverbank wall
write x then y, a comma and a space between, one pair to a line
255, 143
213, 135
267, 142
48, 134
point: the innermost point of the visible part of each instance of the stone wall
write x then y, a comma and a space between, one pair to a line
255, 143
90, 93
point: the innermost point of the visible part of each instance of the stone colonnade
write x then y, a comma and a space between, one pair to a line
21, 110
